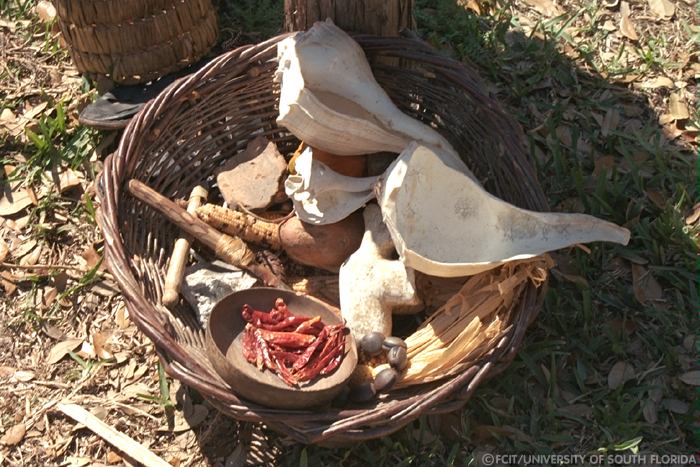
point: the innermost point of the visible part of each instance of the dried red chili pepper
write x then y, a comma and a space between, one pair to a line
308, 327
306, 356
314, 369
335, 361
284, 372
263, 348
258, 317
297, 348
287, 357
290, 323
292, 340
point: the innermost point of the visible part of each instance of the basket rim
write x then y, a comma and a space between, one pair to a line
390, 414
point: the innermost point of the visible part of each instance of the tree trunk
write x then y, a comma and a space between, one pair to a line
378, 17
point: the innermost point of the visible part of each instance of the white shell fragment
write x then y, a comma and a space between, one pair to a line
323, 196
371, 285
330, 99
444, 224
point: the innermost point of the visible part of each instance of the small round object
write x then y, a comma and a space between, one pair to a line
362, 374
397, 358
363, 393
385, 380
371, 343
393, 341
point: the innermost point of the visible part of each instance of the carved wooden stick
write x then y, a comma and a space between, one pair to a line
176, 268
228, 248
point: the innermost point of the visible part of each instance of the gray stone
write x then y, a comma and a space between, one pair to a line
207, 283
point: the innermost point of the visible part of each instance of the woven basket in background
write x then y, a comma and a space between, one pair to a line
186, 134
135, 41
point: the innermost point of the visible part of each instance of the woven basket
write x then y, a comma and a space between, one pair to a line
190, 130
135, 41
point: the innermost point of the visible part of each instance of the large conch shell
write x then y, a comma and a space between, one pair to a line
444, 224
330, 100
323, 196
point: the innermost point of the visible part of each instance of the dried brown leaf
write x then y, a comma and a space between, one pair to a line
14, 435
91, 256
32, 258
604, 164
662, 8
658, 82
8, 283
564, 135
50, 294
69, 179
113, 458
23, 376
691, 377
13, 201
677, 108
4, 250
657, 198
7, 116
646, 288
134, 390
45, 11
676, 406
694, 216
101, 344
626, 24
619, 374
6, 371
650, 411
545, 7
472, 5
62, 349
121, 317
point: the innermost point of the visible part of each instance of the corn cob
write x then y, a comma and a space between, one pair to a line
245, 226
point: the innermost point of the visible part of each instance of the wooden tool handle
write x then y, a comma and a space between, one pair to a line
199, 230
176, 267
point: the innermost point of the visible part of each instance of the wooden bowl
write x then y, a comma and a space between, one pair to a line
225, 349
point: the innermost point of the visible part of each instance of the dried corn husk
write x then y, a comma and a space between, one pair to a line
471, 322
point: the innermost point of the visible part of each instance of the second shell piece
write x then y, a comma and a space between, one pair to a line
445, 224
323, 196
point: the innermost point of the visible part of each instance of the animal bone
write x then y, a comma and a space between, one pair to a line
322, 196
372, 285
330, 99
444, 224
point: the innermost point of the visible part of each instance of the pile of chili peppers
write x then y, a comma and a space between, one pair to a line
296, 348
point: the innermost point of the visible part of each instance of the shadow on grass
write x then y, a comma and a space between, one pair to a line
599, 149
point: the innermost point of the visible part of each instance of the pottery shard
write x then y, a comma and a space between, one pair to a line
205, 284
253, 178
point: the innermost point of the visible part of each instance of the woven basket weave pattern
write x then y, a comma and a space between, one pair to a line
89, 12
154, 38
184, 135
